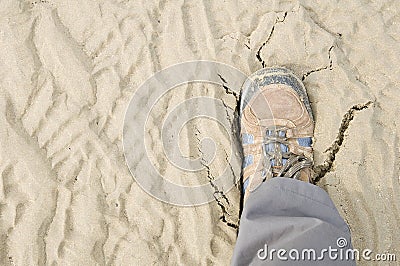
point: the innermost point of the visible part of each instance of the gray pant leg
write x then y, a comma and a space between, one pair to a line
288, 214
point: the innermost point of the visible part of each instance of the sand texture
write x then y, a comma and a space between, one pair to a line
68, 70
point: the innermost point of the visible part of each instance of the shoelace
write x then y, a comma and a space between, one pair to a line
278, 161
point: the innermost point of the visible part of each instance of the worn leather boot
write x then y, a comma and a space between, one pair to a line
277, 128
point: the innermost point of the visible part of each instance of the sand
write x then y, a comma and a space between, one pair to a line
68, 70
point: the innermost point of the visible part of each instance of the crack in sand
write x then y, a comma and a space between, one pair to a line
324, 168
258, 54
316, 20
234, 122
227, 89
329, 66
218, 194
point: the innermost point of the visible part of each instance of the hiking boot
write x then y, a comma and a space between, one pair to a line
277, 128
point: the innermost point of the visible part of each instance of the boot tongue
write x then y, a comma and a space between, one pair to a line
276, 148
